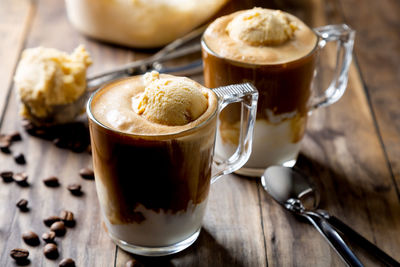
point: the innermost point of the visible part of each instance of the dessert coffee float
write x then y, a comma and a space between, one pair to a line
152, 141
276, 52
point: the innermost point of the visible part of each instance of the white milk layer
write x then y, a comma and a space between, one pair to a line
272, 145
159, 229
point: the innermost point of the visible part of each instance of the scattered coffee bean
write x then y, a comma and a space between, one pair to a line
68, 218
58, 228
7, 176
87, 173
75, 189
20, 159
67, 263
51, 181
22, 204
49, 237
50, 220
19, 254
15, 136
133, 263
21, 178
31, 238
5, 145
50, 250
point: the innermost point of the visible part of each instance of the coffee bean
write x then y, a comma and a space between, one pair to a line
20, 159
58, 228
87, 173
68, 218
50, 250
50, 220
15, 136
21, 178
31, 238
51, 181
19, 254
49, 237
7, 176
75, 189
22, 204
5, 144
67, 263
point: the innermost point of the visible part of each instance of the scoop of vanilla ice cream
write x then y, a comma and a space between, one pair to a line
46, 77
170, 101
261, 27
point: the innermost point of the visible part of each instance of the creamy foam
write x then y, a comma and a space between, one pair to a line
112, 106
219, 41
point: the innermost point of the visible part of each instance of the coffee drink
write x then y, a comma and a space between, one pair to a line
152, 171
152, 139
275, 51
152, 142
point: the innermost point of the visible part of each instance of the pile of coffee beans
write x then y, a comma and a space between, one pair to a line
73, 136
6, 141
57, 224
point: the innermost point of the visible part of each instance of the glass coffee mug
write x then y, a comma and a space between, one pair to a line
286, 97
153, 189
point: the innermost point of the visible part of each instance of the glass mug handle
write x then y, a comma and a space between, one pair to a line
344, 36
247, 94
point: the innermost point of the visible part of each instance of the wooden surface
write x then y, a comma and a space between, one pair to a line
351, 148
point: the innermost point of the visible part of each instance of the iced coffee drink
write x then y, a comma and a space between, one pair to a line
153, 141
276, 52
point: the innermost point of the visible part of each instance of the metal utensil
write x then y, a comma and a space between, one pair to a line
290, 187
294, 192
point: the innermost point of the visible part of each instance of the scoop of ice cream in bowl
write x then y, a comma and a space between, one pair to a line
51, 84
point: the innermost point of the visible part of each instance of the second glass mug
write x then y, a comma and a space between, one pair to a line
153, 189
292, 83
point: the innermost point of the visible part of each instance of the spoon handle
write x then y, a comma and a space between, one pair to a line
333, 238
359, 239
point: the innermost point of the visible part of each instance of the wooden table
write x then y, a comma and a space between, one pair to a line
351, 148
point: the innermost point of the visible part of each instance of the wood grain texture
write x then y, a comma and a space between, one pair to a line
351, 150
377, 51
87, 242
343, 152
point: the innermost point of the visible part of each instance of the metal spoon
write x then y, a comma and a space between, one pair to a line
294, 192
298, 194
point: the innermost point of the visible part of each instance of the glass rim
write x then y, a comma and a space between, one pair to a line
92, 118
210, 51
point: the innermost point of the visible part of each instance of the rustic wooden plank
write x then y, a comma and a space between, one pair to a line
87, 242
231, 234
15, 17
342, 152
378, 55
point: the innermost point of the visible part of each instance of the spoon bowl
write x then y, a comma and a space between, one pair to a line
290, 185
298, 194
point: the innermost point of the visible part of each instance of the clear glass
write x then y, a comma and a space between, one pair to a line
277, 138
153, 189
